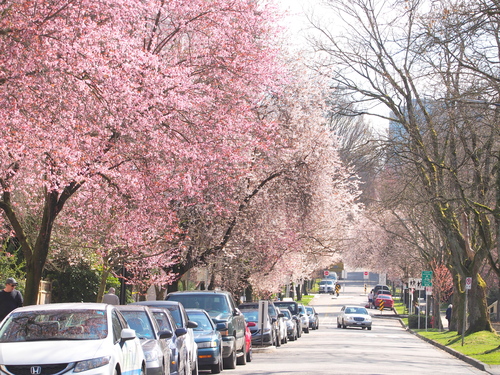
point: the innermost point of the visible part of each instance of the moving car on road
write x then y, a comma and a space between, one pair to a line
327, 286
354, 316
69, 338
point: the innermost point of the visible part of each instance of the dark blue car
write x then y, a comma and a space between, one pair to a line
209, 340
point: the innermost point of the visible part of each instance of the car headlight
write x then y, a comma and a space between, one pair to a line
90, 364
151, 356
207, 344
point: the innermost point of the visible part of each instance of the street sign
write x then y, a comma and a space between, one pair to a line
365, 275
468, 283
428, 290
426, 278
415, 284
326, 273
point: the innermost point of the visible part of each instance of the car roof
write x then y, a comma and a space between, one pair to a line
132, 307
157, 303
200, 292
67, 306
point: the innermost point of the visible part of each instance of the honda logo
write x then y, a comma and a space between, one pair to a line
36, 370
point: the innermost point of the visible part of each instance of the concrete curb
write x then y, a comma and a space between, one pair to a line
471, 361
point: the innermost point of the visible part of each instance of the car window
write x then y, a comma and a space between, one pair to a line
204, 322
251, 315
209, 302
176, 314
140, 323
117, 326
163, 321
55, 325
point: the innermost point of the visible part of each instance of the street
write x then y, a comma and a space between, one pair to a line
387, 349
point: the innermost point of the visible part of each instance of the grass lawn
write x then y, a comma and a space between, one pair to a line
483, 346
306, 299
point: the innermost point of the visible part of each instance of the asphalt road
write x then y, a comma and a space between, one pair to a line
387, 349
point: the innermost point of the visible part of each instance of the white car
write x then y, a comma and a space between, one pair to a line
69, 338
354, 316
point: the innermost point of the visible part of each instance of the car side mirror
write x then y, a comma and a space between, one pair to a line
274, 320
281, 315
221, 327
180, 331
192, 324
236, 312
165, 334
128, 334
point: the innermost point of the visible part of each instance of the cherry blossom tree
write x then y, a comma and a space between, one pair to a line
145, 103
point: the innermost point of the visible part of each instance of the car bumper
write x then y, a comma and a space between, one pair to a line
228, 345
358, 324
207, 357
262, 340
157, 370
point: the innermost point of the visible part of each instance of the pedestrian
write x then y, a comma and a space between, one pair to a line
448, 314
370, 298
110, 297
10, 298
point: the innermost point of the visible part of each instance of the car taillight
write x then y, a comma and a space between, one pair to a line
251, 324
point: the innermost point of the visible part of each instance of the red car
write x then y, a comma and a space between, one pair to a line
248, 340
387, 299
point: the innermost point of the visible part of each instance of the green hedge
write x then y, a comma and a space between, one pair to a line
413, 321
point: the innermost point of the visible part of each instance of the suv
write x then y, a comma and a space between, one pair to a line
327, 286
222, 309
379, 287
294, 310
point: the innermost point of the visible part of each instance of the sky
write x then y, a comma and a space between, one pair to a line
297, 23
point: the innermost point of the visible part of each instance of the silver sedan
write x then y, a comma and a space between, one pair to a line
354, 316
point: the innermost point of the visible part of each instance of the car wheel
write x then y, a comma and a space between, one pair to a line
338, 324
242, 359
343, 325
369, 328
250, 355
230, 362
306, 330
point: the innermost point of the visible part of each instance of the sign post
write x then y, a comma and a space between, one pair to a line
426, 283
468, 285
263, 308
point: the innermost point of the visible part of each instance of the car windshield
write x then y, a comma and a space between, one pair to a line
140, 323
204, 322
384, 296
309, 310
292, 306
356, 310
325, 282
162, 320
55, 325
212, 303
251, 315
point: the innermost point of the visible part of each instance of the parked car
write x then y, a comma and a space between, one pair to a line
69, 338
293, 307
260, 337
154, 344
387, 299
209, 340
327, 286
282, 326
179, 359
378, 287
276, 320
248, 343
222, 309
304, 319
354, 316
313, 317
291, 325
182, 321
